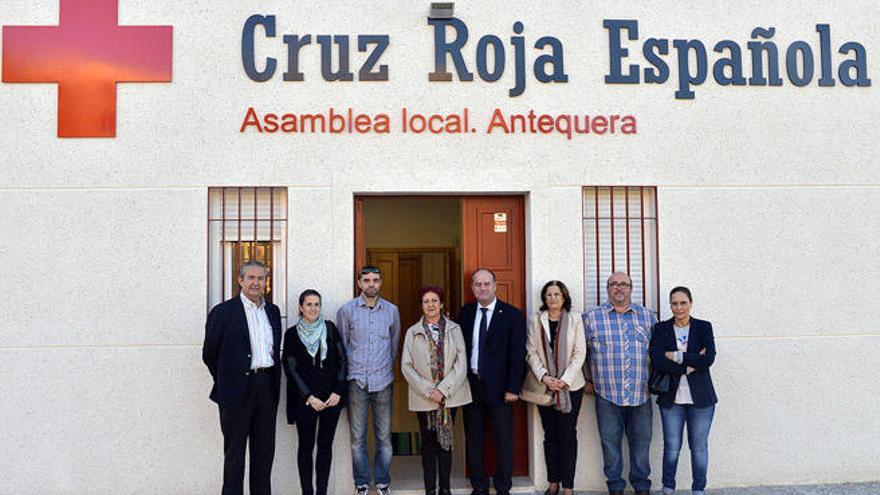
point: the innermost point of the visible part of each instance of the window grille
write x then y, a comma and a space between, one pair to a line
620, 235
247, 223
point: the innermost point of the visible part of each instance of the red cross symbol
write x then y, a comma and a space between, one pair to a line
87, 54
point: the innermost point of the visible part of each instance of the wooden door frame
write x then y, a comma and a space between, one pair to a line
360, 257
513, 205
360, 230
360, 240
451, 281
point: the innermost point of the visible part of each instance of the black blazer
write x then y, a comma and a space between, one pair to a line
700, 381
305, 377
503, 355
227, 350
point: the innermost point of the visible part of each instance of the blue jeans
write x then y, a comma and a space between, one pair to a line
699, 421
359, 402
613, 421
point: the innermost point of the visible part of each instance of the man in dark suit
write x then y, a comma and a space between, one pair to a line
242, 352
495, 336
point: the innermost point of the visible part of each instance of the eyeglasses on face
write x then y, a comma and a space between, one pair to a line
622, 285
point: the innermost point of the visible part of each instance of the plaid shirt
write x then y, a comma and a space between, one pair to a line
372, 338
618, 352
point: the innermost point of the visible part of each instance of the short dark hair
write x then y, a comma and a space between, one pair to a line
306, 293
478, 270
436, 289
566, 297
684, 290
369, 269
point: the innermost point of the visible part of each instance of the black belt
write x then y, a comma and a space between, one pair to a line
475, 376
257, 371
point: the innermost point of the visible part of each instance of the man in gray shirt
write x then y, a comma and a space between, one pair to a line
370, 328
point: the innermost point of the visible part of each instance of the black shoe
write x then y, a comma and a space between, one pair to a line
643, 492
430, 491
548, 492
445, 491
615, 492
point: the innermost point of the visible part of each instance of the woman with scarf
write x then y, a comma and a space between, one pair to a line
434, 363
314, 361
556, 350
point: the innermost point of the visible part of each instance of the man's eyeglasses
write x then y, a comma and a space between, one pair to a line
622, 285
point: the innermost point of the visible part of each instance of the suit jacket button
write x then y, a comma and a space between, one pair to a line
249, 355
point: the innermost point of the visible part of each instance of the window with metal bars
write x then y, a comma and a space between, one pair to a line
247, 223
620, 235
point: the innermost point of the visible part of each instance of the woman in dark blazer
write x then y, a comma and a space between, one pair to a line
684, 348
314, 361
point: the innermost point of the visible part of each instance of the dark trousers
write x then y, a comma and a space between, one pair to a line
475, 415
560, 441
252, 421
433, 455
312, 425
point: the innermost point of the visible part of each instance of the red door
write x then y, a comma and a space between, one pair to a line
494, 237
360, 241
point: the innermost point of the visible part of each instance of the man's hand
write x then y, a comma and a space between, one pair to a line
332, 401
437, 396
510, 398
670, 355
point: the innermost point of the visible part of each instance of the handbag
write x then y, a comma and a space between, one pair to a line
658, 382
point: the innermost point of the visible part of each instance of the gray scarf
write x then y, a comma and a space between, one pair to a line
313, 336
557, 362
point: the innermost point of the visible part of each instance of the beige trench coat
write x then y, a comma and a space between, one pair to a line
415, 363
533, 389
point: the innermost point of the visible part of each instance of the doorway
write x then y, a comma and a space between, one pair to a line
441, 240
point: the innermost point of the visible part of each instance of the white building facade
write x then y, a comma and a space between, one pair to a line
763, 198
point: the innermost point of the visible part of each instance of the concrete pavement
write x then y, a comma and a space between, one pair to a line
839, 489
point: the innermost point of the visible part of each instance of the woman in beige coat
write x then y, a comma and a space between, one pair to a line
556, 350
434, 363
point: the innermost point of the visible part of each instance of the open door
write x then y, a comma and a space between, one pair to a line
360, 240
494, 238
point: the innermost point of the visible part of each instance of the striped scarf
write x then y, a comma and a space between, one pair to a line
440, 420
557, 362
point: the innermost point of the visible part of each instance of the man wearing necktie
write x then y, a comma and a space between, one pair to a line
495, 337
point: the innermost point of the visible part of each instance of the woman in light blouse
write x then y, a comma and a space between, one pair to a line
684, 348
434, 363
556, 350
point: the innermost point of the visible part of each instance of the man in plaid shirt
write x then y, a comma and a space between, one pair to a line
618, 333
